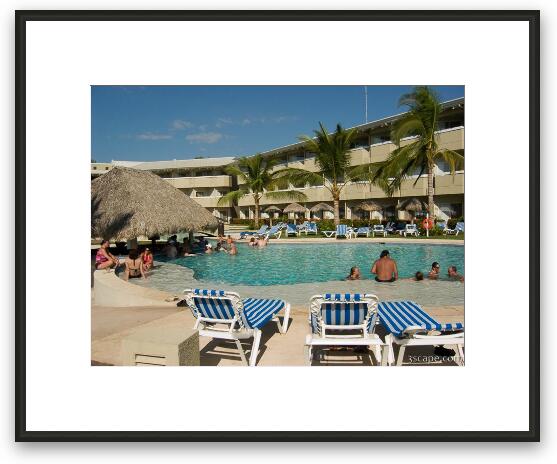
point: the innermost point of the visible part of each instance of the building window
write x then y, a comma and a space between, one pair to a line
296, 158
202, 193
94, 168
106, 169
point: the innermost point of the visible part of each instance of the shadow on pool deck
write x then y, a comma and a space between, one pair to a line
110, 325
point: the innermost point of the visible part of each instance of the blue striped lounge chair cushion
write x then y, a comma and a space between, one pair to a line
396, 316
258, 311
341, 309
342, 229
273, 230
291, 228
213, 304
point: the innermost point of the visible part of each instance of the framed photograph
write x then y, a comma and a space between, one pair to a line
272, 206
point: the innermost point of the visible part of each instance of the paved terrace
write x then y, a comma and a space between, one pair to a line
110, 325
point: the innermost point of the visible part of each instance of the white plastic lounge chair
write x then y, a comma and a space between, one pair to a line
379, 229
411, 229
311, 228
329, 233
262, 231
274, 231
291, 230
343, 231
223, 315
458, 228
362, 231
407, 324
345, 320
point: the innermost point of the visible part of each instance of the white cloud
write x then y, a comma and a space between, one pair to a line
204, 137
153, 136
180, 124
223, 122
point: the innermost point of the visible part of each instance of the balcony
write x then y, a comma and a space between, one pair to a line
209, 202
199, 182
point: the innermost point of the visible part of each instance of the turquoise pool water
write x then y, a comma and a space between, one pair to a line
279, 264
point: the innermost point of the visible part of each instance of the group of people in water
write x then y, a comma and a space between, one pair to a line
137, 264
385, 270
201, 245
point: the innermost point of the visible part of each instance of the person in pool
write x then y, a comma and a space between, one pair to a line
354, 274
434, 273
147, 258
384, 268
104, 259
134, 265
233, 249
252, 242
454, 275
262, 242
419, 276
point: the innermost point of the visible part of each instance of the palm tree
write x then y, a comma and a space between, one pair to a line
418, 156
258, 178
332, 159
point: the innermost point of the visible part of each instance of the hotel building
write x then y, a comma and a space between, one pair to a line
205, 179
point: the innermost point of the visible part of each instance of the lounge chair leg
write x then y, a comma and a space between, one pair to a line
460, 352
400, 355
241, 350
389, 356
308, 354
255, 347
377, 352
282, 329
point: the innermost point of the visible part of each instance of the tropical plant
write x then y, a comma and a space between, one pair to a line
418, 156
259, 179
332, 159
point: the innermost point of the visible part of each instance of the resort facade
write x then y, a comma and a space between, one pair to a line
206, 181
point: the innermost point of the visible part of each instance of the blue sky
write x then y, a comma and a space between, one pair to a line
148, 123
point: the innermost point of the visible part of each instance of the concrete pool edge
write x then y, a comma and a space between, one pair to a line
320, 240
111, 290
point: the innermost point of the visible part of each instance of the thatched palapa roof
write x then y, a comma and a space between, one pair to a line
369, 206
272, 209
321, 207
127, 203
413, 205
294, 208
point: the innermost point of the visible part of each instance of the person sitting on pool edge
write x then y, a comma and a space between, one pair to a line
354, 274
384, 268
454, 275
104, 259
434, 273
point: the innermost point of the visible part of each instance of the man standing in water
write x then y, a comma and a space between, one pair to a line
385, 268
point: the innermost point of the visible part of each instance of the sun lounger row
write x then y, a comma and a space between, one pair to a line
334, 319
345, 231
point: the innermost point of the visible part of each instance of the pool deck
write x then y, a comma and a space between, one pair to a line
109, 325
409, 241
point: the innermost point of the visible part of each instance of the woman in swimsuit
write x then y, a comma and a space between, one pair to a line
134, 265
147, 258
104, 259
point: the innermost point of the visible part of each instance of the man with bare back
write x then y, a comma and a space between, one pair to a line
385, 268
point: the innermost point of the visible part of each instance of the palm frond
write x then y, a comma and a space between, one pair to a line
232, 196
454, 159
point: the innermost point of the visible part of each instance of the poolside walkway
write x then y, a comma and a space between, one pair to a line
407, 240
110, 325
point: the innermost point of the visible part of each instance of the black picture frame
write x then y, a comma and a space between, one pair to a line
532, 17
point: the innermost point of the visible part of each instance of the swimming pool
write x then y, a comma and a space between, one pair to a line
279, 264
